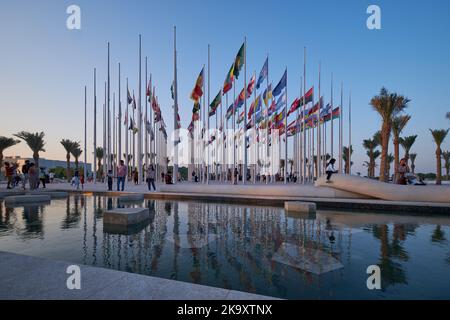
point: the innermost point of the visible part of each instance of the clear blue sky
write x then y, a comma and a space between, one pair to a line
44, 66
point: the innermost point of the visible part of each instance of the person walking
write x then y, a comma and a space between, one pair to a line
136, 176
121, 175
8, 174
151, 174
42, 177
76, 180
25, 168
51, 176
110, 179
32, 176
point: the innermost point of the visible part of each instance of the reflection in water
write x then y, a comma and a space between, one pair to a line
232, 246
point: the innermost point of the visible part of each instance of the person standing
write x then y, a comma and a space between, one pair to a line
151, 174
32, 176
52, 176
136, 177
42, 177
8, 174
400, 175
25, 168
121, 175
110, 179
76, 177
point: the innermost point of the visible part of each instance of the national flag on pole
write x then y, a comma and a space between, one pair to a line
196, 107
228, 83
279, 118
197, 92
134, 102
241, 117
240, 99
251, 86
172, 91
195, 117
129, 98
148, 93
255, 106
294, 106
308, 97
267, 95
215, 104
281, 85
281, 101
230, 111
263, 74
239, 61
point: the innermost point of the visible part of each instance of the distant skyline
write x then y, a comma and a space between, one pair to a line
44, 66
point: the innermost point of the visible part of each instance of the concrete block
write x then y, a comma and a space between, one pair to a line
125, 216
297, 206
131, 197
27, 199
52, 194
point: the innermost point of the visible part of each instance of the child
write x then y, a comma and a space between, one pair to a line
330, 169
110, 180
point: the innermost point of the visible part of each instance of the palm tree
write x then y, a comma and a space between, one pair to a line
391, 159
448, 115
35, 141
99, 154
398, 124
388, 105
446, 157
76, 154
6, 143
346, 158
370, 145
70, 146
439, 136
412, 157
407, 143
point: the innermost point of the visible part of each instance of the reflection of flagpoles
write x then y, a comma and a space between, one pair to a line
95, 127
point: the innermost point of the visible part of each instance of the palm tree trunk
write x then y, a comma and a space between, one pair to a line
36, 160
396, 155
438, 166
385, 134
68, 166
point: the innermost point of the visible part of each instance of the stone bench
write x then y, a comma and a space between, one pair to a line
27, 199
298, 206
125, 216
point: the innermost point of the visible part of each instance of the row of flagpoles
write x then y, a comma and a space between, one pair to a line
145, 132
309, 128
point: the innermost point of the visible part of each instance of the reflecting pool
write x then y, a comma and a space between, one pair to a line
256, 249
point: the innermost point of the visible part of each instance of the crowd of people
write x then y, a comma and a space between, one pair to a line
29, 173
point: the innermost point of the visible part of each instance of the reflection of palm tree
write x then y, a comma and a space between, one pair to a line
438, 235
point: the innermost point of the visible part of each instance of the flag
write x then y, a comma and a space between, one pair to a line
316, 107
131, 124
148, 93
279, 118
195, 117
251, 85
196, 107
281, 101
241, 117
228, 83
267, 95
240, 99
281, 85
294, 106
255, 106
134, 102
263, 74
229, 111
129, 99
172, 91
197, 92
239, 61
215, 104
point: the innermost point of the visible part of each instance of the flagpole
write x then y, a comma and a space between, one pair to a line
105, 154
299, 153
146, 118
120, 123
114, 134
244, 172
285, 135
234, 131
175, 159
207, 112
126, 136
95, 127
140, 114
203, 130
109, 112
85, 135
350, 132
227, 146
255, 164
304, 113
331, 119
341, 128
319, 136
267, 123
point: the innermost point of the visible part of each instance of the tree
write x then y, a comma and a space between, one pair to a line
391, 159
448, 115
70, 146
412, 157
407, 143
398, 124
346, 159
439, 136
76, 154
370, 145
99, 155
388, 105
35, 141
446, 157
6, 143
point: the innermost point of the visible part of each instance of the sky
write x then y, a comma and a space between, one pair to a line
44, 66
